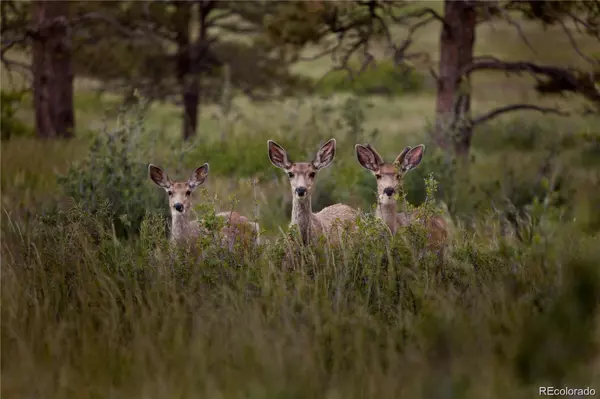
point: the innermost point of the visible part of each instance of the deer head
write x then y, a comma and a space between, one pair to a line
302, 174
179, 192
389, 175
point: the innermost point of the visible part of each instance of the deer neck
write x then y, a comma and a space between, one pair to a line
301, 216
387, 213
183, 225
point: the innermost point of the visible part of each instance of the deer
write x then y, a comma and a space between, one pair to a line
302, 181
185, 226
389, 182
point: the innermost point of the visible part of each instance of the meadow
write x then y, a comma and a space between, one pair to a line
89, 310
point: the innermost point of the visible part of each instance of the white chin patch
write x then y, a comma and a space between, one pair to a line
385, 199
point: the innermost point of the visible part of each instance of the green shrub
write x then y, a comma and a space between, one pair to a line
115, 173
383, 79
11, 126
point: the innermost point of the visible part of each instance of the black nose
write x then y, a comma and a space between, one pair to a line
389, 191
178, 207
301, 191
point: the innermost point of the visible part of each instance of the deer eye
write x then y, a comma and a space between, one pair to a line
170, 193
378, 177
312, 175
188, 193
290, 174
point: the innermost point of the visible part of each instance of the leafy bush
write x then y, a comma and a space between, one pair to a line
115, 174
9, 104
383, 79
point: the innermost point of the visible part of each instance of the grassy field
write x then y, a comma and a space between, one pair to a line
90, 309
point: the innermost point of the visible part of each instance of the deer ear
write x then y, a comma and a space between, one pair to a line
159, 177
366, 158
278, 155
198, 177
412, 158
400, 158
325, 155
378, 158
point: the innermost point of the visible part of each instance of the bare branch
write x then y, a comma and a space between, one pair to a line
574, 44
491, 63
581, 22
517, 26
514, 107
399, 51
479, 60
419, 14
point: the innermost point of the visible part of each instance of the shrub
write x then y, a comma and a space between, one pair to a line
9, 105
383, 79
115, 174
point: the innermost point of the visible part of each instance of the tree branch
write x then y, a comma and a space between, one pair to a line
517, 26
574, 44
514, 107
419, 14
121, 28
492, 63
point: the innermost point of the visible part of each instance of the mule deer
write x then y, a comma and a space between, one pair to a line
302, 178
389, 182
185, 226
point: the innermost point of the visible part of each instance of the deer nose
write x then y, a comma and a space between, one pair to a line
178, 207
301, 191
389, 191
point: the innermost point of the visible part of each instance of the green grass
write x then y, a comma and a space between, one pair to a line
91, 308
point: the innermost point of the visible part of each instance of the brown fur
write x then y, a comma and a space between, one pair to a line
302, 178
185, 227
389, 180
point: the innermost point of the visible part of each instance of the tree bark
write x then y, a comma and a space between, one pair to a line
52, 69
189, 61
453, 104
189, 93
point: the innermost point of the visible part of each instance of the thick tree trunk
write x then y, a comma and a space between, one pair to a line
189, 90
52, 70
453, 103
189, 61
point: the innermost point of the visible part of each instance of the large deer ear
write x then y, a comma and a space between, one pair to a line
159, 177
278, 155
378, 158
412, 158
400, 158
366, 158
325, 155
198, 177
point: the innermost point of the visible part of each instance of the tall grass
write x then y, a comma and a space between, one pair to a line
91, 309
91, 316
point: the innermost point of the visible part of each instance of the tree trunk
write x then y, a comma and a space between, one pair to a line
453, 105
52, 70
189, 91
189, 61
